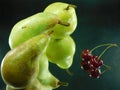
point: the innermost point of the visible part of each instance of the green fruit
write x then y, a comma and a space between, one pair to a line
44, 76
66, 13
65, 64
61, 51
20, 65
11, 88
35, 85
30, 27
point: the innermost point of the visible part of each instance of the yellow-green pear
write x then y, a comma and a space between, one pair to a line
20, 65
61, 51
44, 76
66, 12
32, 26
34, 85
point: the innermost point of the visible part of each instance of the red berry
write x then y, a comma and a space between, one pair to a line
96, 62
92, 63
100, 63
85, 65
86, 55
94, 72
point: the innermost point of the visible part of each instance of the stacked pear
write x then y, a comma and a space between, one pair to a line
35, 85
20, 65
45, 80
66, 13
36, 41
61, 48
61, 52
44, 76
32, 26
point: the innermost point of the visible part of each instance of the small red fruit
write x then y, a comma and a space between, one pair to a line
86, 55
94, 72
92, 63
85, 64
96, 61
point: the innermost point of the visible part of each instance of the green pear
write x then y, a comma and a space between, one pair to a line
11, 88
44, 76
34, 85
32, 26
65, 64
66, 13
20, 65
61, 51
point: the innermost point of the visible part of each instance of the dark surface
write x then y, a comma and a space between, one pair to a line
98, 23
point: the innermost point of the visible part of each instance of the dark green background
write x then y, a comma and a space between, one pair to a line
98, 23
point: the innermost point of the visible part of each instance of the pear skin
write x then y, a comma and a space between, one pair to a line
61, 51
20, 65
30, 27
34, 85
45, 76
66, 12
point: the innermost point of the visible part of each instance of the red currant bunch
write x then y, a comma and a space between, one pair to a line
92, 63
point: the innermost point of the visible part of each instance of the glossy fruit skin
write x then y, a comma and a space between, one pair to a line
44, 75
22, 33
85, 65
86, 55
94, 72
96, 62
65, 64
66, 15
11, 88
91, 63
30, 27
21, 64
34, 85
61, 51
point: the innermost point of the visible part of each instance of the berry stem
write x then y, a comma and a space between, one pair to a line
110, 45
107, 68
102, 46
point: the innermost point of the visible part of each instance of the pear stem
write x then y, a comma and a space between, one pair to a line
70, 5
69, 72
63, 83
64, 23
50, 32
